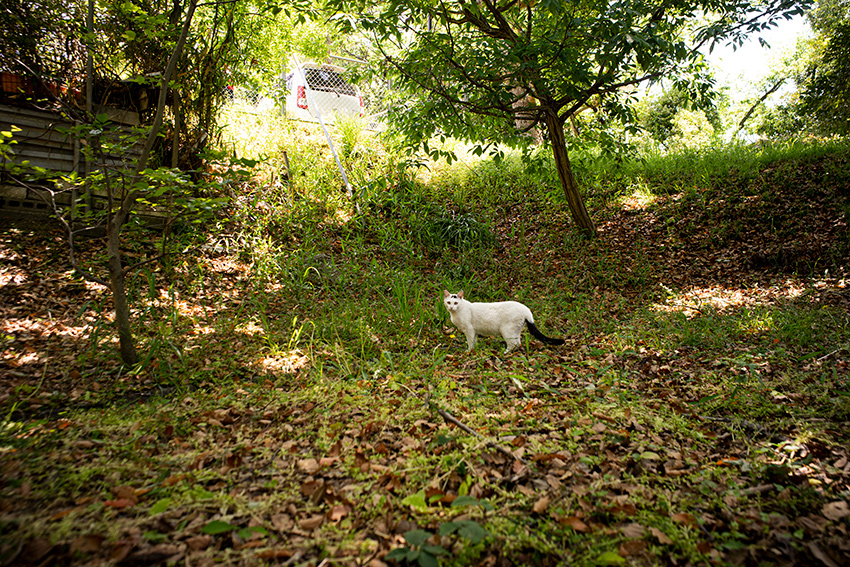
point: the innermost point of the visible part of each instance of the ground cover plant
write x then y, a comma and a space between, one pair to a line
303, 399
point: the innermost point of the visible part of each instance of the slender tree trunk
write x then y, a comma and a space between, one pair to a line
117, 280
117, 218
565, 173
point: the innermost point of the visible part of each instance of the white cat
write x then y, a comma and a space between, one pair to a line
505, 318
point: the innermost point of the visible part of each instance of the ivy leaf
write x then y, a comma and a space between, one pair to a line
417, 538
416, 500
217, 527
397, 554
465, 500
160, 506
465, 528
245, 533
610, 558
428, 560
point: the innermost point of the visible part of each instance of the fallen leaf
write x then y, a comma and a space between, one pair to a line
121, 549
327, 461
632, 547
633, 530
88, 543
36, 549
311, 523
541, 505
836, 510
336, 449
126, 493
575, 523
823, 557
119, 503
660, 536
338, 512
61, 514
280, 553
199, 542
174, 479
155, 554
308, 466
684, 518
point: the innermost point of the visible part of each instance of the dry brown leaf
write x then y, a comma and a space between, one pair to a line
311, 523
88, 543
836, 510
126, 493
336, 449
684, 518
541, 505
632, 547
575, 523
282, 522
327, 461
633, 530
36, 549
338, 512
308, 466
821, 555
119, 503
660, 536
199, 542
280, 553
174, 479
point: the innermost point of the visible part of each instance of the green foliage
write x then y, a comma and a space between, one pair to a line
552, 59
426, 555
664, 118
218, 527
826, 85
35, 40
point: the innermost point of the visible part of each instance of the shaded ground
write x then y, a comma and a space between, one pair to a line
698, 415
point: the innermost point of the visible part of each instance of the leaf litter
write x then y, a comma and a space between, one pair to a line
622, 449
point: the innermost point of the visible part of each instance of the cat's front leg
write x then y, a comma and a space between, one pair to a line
470, 340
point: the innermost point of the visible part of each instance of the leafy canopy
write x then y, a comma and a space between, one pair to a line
491, 70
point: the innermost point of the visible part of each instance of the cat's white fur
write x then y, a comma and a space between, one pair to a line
504, 318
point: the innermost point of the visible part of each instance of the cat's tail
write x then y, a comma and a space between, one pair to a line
532, 328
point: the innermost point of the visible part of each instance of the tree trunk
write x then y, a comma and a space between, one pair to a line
117, 279
565, 173
117, 218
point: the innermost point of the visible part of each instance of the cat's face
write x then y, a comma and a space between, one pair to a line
452, 300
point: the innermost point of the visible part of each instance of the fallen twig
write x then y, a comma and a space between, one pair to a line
449, 418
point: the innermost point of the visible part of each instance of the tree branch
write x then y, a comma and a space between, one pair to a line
130, 198
449, 418
68, 228
756, 104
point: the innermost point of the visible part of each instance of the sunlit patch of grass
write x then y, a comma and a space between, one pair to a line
641, 197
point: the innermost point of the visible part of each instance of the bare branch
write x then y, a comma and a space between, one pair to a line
756, 104
57, 211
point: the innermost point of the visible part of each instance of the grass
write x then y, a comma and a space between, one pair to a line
291, 408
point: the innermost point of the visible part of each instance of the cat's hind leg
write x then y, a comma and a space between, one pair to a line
512, 332
512, 343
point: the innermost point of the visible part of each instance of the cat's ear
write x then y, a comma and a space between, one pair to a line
446, 293
460, 294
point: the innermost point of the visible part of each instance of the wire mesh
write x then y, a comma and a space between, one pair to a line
332, 94
332, 91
